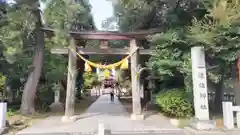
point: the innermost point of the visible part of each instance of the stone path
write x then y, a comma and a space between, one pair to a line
113, 115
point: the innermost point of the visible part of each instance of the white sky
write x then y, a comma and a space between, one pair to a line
101, 10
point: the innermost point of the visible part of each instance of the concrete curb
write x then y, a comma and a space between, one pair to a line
192, 131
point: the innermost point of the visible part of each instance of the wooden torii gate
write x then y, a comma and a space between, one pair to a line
103, 37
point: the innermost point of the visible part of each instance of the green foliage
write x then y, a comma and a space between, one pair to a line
174, 103
18, 29
124, 79
127, 13
75, 16
54, 68
44, 96
171, 58
218, 32
2, 85
90, 80
2, 80
11, 112
155, 14
17, 41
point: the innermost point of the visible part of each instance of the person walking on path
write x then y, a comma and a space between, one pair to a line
112, 96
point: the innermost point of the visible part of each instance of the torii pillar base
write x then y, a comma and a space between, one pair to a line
67, 119
137, 117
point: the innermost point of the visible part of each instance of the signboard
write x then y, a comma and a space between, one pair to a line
199, 83
103, 44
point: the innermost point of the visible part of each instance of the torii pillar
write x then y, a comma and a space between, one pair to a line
136, 99
71, 84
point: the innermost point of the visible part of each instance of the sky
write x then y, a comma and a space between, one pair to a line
101, 10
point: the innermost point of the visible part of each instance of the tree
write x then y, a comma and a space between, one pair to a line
22, 41
155, 14
75, 17
29, 93
21, 34
218, 33
212, 24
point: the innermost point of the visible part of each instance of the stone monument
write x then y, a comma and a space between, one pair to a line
200, 93
57, 106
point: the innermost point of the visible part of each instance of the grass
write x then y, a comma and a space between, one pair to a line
18, 122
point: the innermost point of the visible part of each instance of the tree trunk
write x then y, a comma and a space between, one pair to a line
237, 91
79, 80
29, 93
64, 84
219, 95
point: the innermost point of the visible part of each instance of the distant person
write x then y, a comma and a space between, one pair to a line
112, 96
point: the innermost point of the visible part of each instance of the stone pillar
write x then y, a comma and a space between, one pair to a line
238, 119
136, 102
71, 83
200, 93
3, 115
228, 115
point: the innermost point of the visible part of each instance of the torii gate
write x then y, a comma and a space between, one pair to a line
103, 37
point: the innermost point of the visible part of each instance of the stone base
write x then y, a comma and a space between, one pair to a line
191, 131
203, 124
175, 122
137, 117
57, 107
69, 118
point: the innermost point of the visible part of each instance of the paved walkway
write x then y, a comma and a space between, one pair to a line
113, 115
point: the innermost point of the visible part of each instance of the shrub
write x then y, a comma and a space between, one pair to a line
44, 97
11, 112
90, 79
174, 103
